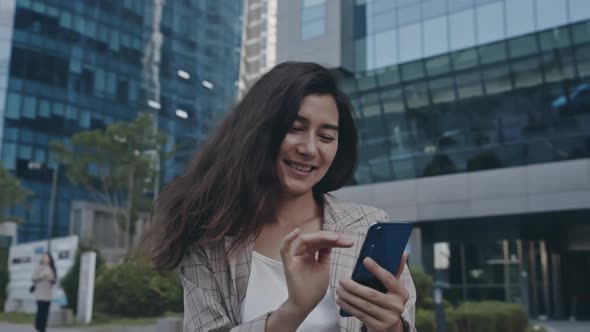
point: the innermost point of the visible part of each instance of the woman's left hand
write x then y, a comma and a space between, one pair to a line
381, 312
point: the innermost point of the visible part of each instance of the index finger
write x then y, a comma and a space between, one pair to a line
312, 242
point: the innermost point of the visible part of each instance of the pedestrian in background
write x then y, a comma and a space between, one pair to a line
44, 278
259, 243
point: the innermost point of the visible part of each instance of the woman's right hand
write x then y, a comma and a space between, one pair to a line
306, 262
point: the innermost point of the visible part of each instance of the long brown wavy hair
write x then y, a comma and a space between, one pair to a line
230, 188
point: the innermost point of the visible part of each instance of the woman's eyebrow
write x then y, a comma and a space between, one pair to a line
323, 125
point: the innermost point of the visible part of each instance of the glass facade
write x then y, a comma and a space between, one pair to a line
80, 65
313, 19
389, 32
513, 102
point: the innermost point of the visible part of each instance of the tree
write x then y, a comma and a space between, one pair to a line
115, 165
12, 193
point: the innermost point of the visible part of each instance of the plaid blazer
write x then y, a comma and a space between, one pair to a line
215, 285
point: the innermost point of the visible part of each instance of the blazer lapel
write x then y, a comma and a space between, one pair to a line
342, 260
240, 263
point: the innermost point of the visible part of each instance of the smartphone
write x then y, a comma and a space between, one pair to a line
385, 243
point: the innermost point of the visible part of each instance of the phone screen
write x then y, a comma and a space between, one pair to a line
385, 244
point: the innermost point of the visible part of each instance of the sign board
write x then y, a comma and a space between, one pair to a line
86, 286
24, 258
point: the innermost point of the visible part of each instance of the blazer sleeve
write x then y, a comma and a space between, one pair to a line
409, 314
204, 307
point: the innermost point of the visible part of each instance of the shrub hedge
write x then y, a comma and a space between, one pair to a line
487, 316
132, 289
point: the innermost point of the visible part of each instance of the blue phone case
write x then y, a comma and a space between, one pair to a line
385, 244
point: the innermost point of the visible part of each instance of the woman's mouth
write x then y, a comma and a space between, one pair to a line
299, 167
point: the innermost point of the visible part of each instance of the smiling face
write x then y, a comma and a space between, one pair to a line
310, 145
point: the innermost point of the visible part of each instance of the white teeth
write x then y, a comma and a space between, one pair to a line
300, 167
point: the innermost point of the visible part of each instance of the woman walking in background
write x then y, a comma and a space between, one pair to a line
259, 242
44, 278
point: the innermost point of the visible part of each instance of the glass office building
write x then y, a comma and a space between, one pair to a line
475, 125
70, 66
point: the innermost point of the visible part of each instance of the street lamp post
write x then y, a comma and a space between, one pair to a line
54, 180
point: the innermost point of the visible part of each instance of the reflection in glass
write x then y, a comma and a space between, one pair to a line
413, 70
416, 95
469, 85
464, 59
442, 90
366, 82
526, 73
388, 76
554, 38
438, 65
583, 59
522, 46
497, 80
494, 52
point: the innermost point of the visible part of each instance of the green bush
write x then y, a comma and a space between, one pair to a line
490, 316
425, 321
69, 282
423, 283
133, 290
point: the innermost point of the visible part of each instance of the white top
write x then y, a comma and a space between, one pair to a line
267, 290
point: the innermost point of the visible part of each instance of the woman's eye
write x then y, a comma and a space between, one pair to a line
296, 129
327, 138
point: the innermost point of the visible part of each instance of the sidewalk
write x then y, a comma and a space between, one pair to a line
565, 326
7, 327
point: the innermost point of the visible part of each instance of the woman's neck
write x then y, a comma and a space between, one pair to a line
294, 211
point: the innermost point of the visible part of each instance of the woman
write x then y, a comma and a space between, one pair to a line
259, 243
44, 278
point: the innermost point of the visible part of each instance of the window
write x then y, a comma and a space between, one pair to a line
462, 30
386, 48
13, 106
554, 38
434, 8
30, 107
578, 10
491, 53
464, 59
412, 70
522, 46
442, 90
9, 155
313, 19
551, 13
436, 36
438, 65
408, 15
519, 17
497, 80
410, 42
490, 23
44, 108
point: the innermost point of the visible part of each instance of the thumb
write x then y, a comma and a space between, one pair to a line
402, 265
